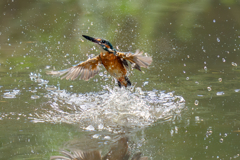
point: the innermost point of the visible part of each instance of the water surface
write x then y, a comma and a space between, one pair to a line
185, 106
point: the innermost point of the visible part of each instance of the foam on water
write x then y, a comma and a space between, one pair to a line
111, 109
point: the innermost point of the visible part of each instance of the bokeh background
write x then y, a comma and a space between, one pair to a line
195, 49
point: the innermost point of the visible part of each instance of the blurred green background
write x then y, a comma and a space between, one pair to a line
195, 49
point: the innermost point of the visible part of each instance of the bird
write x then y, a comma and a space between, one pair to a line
114, 61
118, 151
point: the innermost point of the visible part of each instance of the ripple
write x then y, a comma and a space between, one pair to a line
11, 94
237, 90
50, 87
220, 93
35, 97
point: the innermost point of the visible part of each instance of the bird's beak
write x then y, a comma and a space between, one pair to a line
92, 39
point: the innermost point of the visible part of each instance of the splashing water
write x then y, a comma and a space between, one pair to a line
111, 109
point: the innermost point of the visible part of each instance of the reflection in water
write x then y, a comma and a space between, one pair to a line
119, 151
112, 109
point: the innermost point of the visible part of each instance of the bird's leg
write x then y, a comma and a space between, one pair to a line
119, 84
128, 81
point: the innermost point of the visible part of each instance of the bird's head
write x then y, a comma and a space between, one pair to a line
104, 44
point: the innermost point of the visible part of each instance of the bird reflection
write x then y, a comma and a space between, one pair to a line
118, 151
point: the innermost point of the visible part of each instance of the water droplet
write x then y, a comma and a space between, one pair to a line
225, 135
205, 68
221, 140
214, 21
220, 93
95, 136
100, 126
218, 39
50, 88
139, 90
184, 71
187, 78
237, 90
196, 102
176, 129
171, 132
234, 64
101, 74
35, 97
9, 95
91, 23
145, 83
184, 65
219, 79
39, 80
209, 88
197, 119
188, 56
107, 137
90, 128
223, 59
47, 67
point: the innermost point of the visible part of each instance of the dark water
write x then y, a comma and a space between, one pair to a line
185, 106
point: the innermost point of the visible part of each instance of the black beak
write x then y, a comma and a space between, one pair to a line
91, 39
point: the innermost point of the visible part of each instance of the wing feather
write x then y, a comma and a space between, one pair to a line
84, 70
138, 59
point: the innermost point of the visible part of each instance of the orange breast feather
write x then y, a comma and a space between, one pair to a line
113, 65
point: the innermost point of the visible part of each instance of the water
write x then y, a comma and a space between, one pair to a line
112, 108
184, 106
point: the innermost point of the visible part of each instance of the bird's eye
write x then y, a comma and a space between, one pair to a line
103, 41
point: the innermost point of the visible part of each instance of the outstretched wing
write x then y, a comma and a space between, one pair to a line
84, 70
138, 59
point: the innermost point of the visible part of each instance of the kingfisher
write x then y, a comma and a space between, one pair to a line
114, 61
